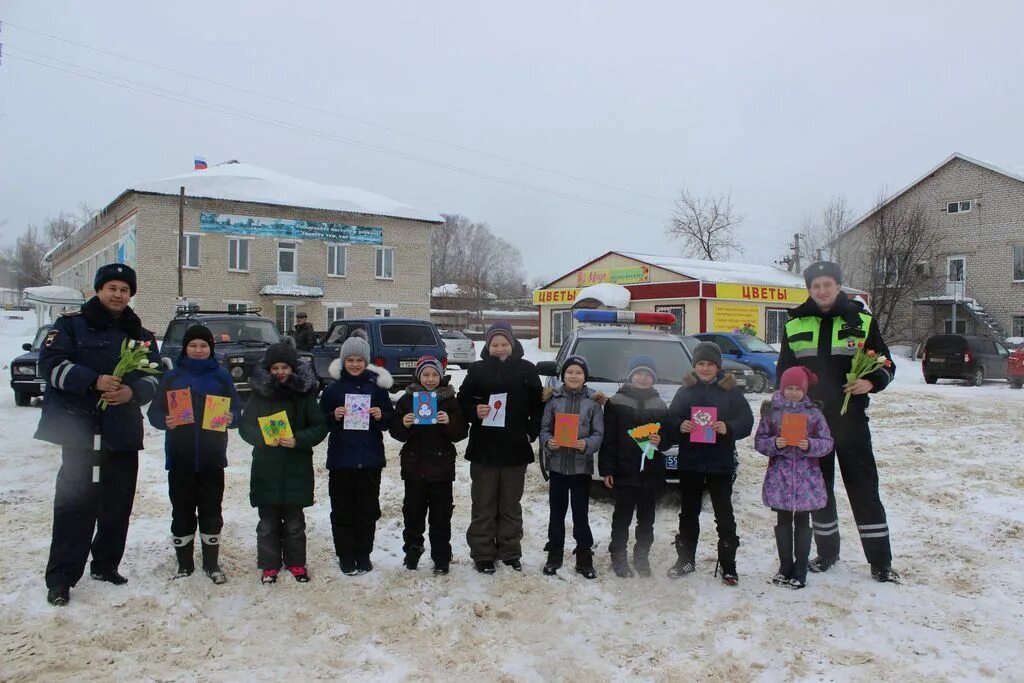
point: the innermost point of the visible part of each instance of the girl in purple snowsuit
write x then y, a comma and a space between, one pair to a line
793, 484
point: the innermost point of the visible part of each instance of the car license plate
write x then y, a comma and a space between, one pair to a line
672, 462
937, 360
740, 382
407, 364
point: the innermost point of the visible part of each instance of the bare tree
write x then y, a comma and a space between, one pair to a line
470, 255
60, 227
706, 226
896, 238
26, 259
822, 235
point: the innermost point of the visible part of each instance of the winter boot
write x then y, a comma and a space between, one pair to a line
884, 574
514, 564
642, 560
784, 543
585, 563
412, 556
727, 560
269, 576
822, 564
554, 562
363, 564
620, 565
485, 566
347, 564
300, 573
184, 547
686, 551
211, 554
802, 550
58, 596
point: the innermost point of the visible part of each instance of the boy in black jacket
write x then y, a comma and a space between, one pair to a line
708, 466
619, 460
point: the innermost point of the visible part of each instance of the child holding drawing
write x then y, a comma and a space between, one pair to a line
793, 434
632, 464
502, 398
195, 448
428, 420
570, 435
283, 424
359, 410
707, 417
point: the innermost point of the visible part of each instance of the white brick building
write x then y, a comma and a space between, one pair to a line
256, 238
976, 212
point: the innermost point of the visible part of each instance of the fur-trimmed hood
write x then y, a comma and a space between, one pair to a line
444, 392
726, 380
302, 382
384, 380
594, 395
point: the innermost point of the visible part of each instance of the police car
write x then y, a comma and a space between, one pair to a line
609, 340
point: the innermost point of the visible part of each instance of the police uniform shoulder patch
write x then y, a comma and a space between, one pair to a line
50, 336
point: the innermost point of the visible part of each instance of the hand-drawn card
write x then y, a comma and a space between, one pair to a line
275, 426
424, 407
703, 417
179, 407
495, 418
794, 428
567, 429
216, 412
357, 412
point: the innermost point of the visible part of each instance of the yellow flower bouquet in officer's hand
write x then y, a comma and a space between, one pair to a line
865, 362
134, 357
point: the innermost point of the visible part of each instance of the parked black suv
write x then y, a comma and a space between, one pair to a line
240, 339
958, 356
25, 379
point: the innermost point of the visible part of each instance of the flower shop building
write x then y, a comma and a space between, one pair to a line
704, 296
255, 238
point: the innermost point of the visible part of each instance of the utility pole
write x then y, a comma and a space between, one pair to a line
796, 252
181, 241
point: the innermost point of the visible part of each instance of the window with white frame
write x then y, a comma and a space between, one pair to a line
962, 206
775, 324
1017, 325
191, 250
888, 270
335, 313
285, 317
1018, 262
561, 326
336, 256
385, 263
237, 306
238, 254
679, 312
383, 311
286, 257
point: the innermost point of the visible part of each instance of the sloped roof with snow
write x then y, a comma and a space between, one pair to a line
720, 271
455, 291
248, 183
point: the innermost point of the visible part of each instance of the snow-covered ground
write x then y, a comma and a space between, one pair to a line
950, 467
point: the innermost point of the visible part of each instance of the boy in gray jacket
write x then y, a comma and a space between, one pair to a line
571, 466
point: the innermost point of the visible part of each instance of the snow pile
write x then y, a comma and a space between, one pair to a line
455, 291
18, 323
605, 293
54, 294
291, 290
954, 504
249, 183
721, 271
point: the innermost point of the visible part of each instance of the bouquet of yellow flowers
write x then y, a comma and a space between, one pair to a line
134, 356
865, 361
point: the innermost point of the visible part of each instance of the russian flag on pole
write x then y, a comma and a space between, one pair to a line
200, 163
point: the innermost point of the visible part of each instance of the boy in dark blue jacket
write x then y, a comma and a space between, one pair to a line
196, 457
355, 457
710, 466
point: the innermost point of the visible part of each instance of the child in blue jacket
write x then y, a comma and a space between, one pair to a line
196, 457
355, 457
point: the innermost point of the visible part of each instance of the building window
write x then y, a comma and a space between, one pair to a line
775, 324
679, 312
1017, 325
336, 255
959, 207
383, 311
385, 263
961, 326
335, 313
285, 318
238, 255
1018, 262
237, 307
191, 250
561, 326
888, 271
286, 257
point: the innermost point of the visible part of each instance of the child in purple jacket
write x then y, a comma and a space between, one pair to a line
793, 484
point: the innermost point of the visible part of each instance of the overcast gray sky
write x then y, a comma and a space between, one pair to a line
781, 103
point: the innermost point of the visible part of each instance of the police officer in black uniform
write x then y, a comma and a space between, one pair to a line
823, 334
99, 448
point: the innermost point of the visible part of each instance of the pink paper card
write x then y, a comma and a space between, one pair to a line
703, 417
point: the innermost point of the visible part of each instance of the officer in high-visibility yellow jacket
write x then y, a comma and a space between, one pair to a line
823, 335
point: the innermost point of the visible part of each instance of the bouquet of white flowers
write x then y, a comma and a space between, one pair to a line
134, 356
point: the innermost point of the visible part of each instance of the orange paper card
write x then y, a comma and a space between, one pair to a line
794, 428
179, 407
567, 429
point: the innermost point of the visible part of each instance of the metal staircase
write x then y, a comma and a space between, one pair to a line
983, 319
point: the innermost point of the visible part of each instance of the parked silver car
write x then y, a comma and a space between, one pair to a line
460, 348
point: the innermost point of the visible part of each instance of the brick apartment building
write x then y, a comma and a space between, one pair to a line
255, 238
